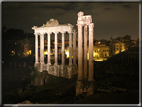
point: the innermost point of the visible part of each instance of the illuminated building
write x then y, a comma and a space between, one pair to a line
116, 46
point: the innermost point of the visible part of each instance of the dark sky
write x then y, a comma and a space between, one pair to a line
110, 19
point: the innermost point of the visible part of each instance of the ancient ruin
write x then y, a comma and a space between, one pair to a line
53, 26
85, 80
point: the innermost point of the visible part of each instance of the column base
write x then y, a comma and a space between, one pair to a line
79, 87
85, 87
62, 70
56, 70
41, 66
36, 64
70, 69
48, 66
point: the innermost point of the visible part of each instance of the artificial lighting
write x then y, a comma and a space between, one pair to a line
123, 50
45, 53
67, 53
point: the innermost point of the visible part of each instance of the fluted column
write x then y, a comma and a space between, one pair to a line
70, 49
80, 52
36, 48
49, 63
42, 48
56, 49
74, 47
91, 65
85, 52
63, 49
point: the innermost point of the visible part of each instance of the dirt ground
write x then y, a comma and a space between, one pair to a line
16, 88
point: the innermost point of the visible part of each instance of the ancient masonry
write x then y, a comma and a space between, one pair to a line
85, 80
52, 26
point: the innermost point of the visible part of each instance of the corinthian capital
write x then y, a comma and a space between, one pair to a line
91, 25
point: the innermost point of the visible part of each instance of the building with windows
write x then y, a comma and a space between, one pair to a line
116, 47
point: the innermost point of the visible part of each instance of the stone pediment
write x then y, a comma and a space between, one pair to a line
51, 22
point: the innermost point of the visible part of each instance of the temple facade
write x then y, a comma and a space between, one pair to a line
52, 26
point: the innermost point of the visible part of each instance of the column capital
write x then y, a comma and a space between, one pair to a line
41, 34
63, 32
49, 33
91, 25
35, 34
85, 26
70, 32
56, 33
79, 25
74, 31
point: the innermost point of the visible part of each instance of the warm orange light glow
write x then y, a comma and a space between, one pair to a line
13, 52
45, 53
30, 52
123, 50
95, 54
99, 59
88, 56
117, 52
67, 53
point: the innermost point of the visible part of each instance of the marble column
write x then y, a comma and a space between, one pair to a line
80, 73
56, 49
91, 65
36, 48
85, 52
42, 48
74, 47
70, 49
63, 49
49, 62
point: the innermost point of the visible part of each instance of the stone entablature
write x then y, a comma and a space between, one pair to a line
84, 20
55, 29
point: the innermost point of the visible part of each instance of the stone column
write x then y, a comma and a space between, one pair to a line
85, 52
49, 62
63, 49
42, 48
56, 49
91, 65
36, 48
80, 73
70, 49
74, 47
41, 52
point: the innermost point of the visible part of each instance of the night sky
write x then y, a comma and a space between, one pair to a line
110, 19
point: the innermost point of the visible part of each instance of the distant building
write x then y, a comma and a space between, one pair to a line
116, 46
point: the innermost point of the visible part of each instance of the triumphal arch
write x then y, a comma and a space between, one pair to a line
53, 26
